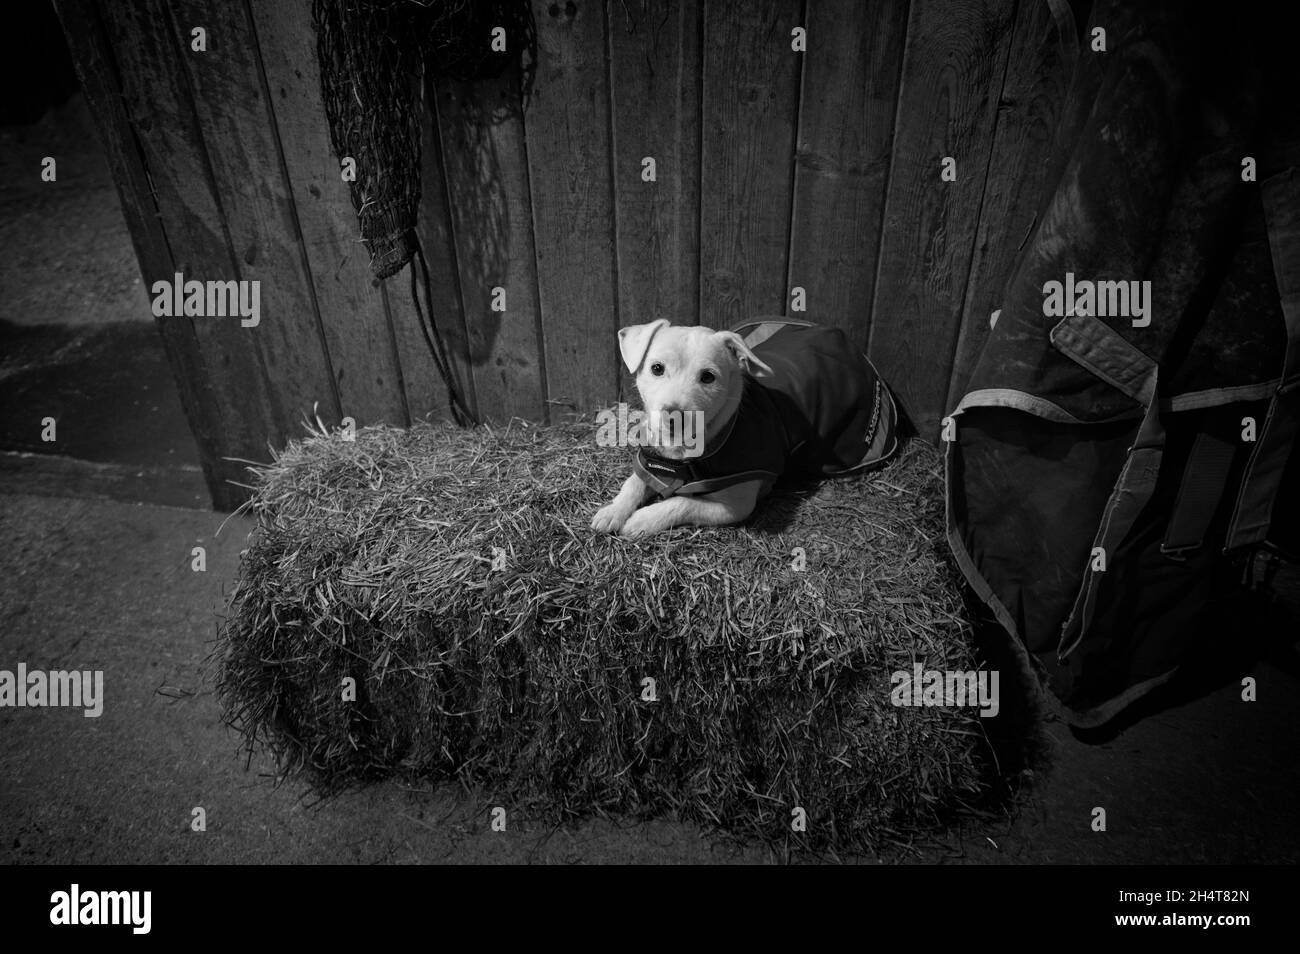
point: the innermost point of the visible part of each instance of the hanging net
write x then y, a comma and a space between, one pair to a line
373, 57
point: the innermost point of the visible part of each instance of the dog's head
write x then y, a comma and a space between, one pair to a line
688, 370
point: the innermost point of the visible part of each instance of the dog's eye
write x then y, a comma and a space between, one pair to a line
707, 377
656, 369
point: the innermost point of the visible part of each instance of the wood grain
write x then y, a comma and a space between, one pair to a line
259, 214
97, 73
485, 163
774, 169
352, 315
233, 414
568, 129
953, 65
846, 133
655, 84
750, 99
425, 390
1030, 105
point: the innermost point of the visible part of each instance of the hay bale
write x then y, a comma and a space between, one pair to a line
521, 668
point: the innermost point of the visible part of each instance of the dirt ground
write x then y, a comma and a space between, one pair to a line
93, 584
90, 582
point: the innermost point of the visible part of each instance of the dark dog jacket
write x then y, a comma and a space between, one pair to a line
823, 412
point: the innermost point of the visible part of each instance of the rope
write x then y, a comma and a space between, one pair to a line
373, 55
433, 338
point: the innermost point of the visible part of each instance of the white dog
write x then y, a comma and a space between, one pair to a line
787, 396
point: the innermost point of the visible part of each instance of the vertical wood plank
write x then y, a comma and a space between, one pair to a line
750, 101
158, 105
1038, 78
568, 138
655, 90
846, 134
486, 169
426, 391
953, 68
261, 218
352, 315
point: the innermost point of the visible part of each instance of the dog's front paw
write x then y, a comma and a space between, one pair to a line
640, 524
609, 519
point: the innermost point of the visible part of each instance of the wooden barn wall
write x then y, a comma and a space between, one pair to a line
776, 170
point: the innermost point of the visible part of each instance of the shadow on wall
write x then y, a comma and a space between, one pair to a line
471, 150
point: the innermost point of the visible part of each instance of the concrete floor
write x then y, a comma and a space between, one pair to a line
96, 583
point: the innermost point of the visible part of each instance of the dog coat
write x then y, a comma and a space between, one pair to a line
824, 411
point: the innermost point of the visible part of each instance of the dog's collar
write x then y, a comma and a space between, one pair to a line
720, 442
667, 476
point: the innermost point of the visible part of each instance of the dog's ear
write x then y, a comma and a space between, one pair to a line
749, 361
634, 342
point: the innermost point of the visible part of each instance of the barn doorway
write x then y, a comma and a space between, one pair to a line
88, 403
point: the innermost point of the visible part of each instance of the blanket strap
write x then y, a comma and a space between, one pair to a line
1253, 515
1204, 478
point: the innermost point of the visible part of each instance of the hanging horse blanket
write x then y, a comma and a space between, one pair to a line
1120, 447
